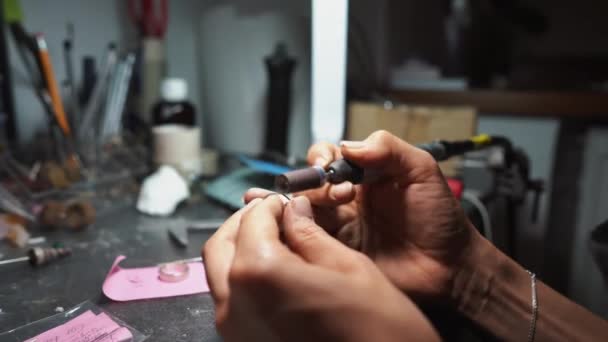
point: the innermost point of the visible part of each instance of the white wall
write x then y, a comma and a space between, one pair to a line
96, 24
183, 48
235, 36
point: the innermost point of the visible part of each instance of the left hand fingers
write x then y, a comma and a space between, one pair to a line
259, 232
307, 239
218, 254
330, 217
254, 193
330, 195
261, 258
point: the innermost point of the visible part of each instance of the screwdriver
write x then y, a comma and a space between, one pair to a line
39, 256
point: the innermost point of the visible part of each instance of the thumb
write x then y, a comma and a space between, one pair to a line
395, 157
311, 242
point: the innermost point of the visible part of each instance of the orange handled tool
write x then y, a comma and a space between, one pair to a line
51, 83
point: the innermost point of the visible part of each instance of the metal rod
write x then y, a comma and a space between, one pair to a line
11, 261
187, 261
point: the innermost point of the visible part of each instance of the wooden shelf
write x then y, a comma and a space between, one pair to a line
579, 105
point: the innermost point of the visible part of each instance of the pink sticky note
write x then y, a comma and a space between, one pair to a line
93, 329
119, 335
124, 284
54, 333
86, 327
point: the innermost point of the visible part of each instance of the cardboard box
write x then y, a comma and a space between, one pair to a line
414, 124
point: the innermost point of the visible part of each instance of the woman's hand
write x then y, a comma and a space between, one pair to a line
414, 229
408, 223
276, 275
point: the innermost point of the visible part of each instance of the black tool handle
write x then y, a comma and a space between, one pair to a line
343, 170
280, 68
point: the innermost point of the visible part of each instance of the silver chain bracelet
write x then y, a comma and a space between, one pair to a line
532, 330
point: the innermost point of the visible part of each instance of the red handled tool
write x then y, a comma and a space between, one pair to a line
150, 22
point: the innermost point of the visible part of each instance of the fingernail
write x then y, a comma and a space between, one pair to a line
284, 199
254, 201
352, 144
301, 206
341, 190
320, 161
243, 199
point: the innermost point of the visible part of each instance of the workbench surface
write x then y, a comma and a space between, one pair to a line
28, 294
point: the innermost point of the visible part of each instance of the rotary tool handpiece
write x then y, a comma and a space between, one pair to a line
339, 171
344, 170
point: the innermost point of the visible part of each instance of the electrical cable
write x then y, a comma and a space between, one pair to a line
483, 212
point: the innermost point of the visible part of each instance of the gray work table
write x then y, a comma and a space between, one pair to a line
28, 294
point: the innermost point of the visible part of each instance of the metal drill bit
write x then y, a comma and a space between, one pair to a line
39, 256
11, 261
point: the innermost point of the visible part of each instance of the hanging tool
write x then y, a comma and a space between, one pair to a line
280, 68
39, 256
89, 78
28, 53
344, 170
7, 101
148, 21
34, 56
151, 22
116, 98
51, 84
58, 111
93, 106
70, 83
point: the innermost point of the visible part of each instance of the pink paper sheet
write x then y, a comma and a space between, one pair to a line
121, 335
86, 327
56, 332
124, 284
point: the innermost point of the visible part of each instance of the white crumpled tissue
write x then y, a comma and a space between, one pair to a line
162, 191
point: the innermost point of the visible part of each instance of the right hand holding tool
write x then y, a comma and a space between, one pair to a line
413, 228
